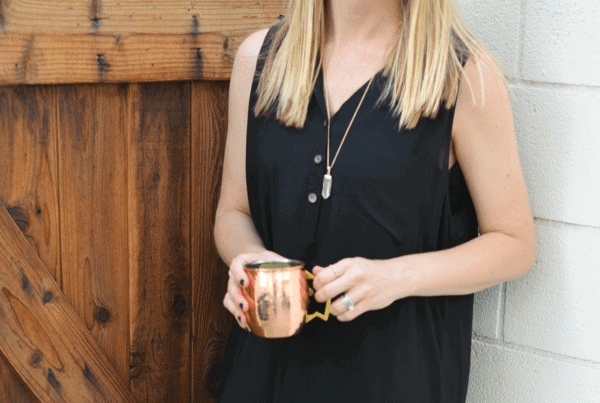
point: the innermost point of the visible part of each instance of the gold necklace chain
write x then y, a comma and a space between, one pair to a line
327, 178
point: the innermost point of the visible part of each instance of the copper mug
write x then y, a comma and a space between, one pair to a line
277, 297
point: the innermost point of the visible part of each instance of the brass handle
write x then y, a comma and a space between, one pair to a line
311, 316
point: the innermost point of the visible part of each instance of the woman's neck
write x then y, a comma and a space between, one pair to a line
358, 21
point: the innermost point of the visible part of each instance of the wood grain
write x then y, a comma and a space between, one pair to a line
63, 59
29, 187
93, 209
42, 336
159, 240
91, 41
136, 16
28, 183
211, 322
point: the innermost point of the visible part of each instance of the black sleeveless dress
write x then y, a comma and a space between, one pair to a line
392, 195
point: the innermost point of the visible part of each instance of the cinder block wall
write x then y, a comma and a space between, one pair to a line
537, 339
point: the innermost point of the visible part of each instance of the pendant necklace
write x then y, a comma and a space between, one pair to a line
327, 178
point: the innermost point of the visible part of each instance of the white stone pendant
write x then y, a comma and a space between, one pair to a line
327, 182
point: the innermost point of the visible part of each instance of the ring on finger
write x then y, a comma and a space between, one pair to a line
348, 302
335, 272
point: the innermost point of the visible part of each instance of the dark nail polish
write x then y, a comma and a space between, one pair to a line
242, 282
241, 306
240, 318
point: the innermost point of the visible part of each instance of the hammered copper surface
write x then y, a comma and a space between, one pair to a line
277, 297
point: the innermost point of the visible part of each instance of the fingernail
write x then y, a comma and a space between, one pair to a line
240, 318
242, 282
241, 306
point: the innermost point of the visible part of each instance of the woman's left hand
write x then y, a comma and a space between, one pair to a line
370, 285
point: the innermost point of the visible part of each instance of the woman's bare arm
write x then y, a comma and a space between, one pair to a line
235, 234
486, 149
234, 230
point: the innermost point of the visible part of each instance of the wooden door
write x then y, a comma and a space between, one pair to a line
112, 129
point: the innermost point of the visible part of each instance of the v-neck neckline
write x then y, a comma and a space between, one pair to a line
351, 102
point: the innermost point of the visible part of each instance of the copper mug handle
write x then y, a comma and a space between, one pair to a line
324, 316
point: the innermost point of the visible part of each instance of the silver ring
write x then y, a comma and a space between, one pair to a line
348, 302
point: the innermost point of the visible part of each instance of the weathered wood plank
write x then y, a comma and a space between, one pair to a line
212, 323
42, 336
28, 183
159, 243
136, 16
29, 187
63, 59
93, 192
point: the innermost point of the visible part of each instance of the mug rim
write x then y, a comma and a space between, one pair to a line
289, 264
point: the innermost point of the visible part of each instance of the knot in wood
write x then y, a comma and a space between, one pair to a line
19, 216
35, 359
179, 304
103, 315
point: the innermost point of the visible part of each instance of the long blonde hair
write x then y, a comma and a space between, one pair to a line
423, 71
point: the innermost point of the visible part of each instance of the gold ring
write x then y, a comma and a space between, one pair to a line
335, 271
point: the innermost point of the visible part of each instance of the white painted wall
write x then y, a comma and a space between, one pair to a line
537, 339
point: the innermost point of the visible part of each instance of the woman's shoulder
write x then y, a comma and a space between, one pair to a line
244, 63
247, 54
250, 47
482, 81
483, 113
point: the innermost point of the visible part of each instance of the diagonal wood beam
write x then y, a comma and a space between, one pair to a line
41, 335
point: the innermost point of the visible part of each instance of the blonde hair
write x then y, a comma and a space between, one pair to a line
423, 71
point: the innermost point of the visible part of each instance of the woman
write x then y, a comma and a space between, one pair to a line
372, 140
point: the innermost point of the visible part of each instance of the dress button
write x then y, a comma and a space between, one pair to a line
325, 123
318, 159
312, 197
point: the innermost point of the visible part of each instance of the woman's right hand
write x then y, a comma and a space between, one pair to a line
234, 301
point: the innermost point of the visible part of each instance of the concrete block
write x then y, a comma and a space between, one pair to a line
556, 307
561, 42
496, 24
558, 132
487, 312
502, 375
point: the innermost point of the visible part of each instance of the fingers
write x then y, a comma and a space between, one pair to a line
237, 296
325, 275
239, 315
235, 302
237, 265
317, 269
359, 308
234, 299
327, 286
237, 270
356, 295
